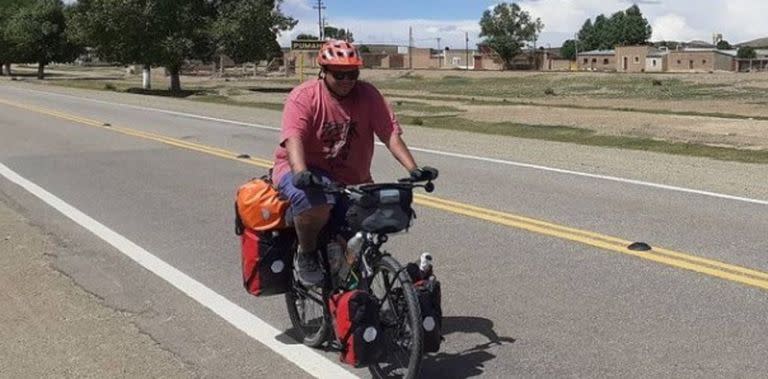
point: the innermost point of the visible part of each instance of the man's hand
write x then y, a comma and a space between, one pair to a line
306, 179
424, 173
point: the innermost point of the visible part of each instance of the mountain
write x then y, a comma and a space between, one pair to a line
756, 43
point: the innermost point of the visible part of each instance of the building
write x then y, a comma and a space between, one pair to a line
656, 60
701, 60
632, 58
760, 63
596, 60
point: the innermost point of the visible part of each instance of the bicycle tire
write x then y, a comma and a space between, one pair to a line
310, 336
386, 268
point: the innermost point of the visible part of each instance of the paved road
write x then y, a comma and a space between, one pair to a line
536, 278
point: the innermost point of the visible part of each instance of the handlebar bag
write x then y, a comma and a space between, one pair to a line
382, 209
357, 325
266, 258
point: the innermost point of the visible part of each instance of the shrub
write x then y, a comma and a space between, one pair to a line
417, 121
549, 92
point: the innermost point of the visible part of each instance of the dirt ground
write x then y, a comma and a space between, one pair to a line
646, 121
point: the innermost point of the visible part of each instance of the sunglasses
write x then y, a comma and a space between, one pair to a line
349, 75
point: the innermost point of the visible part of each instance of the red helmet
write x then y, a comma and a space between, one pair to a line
339, 53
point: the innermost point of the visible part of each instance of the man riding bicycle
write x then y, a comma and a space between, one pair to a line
327, 136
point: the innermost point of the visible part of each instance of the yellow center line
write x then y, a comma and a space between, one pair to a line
664, 256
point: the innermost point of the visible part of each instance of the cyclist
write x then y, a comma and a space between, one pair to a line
327, 135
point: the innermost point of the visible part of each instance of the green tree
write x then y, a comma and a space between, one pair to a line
119, 31
246, 30
338, 33
568, 50
627, 27
304, 36
746, 52
8, 49
724, 45
148, 32
507, 28
38, 32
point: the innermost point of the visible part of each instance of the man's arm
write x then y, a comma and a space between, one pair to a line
400, 151
295, 148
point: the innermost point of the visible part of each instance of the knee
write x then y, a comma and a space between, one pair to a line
318, 215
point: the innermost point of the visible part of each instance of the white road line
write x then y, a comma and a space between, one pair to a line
182, 114
304, 357
447, 154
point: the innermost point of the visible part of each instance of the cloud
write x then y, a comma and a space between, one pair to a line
673, 20
675, 27
425, 32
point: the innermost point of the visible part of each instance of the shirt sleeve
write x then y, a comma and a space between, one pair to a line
297, 116
384, 120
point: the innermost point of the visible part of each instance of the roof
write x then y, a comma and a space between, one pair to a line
598, 52
729, 53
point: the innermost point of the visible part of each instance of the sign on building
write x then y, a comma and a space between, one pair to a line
306, 45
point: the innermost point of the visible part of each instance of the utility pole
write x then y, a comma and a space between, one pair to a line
466, 47
576, 47
440, 54
410, 47
319, 8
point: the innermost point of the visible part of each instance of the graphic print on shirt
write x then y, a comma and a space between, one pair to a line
337, 140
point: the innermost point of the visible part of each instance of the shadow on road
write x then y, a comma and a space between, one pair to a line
464, 364
469, 362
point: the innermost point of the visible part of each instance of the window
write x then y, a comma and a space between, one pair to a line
594, 60
605, 61
703, 61
653, 62
586, 60
679, 62
637, 59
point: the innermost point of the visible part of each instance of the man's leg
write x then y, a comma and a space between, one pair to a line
309, 211
308, 225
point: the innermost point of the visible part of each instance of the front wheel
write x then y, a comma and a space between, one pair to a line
308, 314
401, 320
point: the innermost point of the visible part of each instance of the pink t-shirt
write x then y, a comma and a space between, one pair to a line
337, 133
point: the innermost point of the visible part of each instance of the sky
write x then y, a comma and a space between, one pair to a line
388, 21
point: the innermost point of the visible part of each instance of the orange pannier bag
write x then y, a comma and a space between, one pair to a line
258, 206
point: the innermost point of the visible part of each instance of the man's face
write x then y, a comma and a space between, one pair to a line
341, 80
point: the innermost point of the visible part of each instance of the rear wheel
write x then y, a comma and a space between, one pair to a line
401, 321
307, 314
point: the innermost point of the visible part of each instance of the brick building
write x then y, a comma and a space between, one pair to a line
701, 60
596, 60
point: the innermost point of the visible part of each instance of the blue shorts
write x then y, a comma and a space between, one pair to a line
302, 200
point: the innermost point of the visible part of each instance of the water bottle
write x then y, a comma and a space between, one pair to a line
335, 256
425, 265
353, 247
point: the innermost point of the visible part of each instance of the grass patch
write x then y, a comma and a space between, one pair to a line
502, 102
415, 106
588, 137
93, 84
221, 99
595, 86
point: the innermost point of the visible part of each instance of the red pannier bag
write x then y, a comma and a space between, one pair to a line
266, 260
428, 292
356, 320
430, 301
